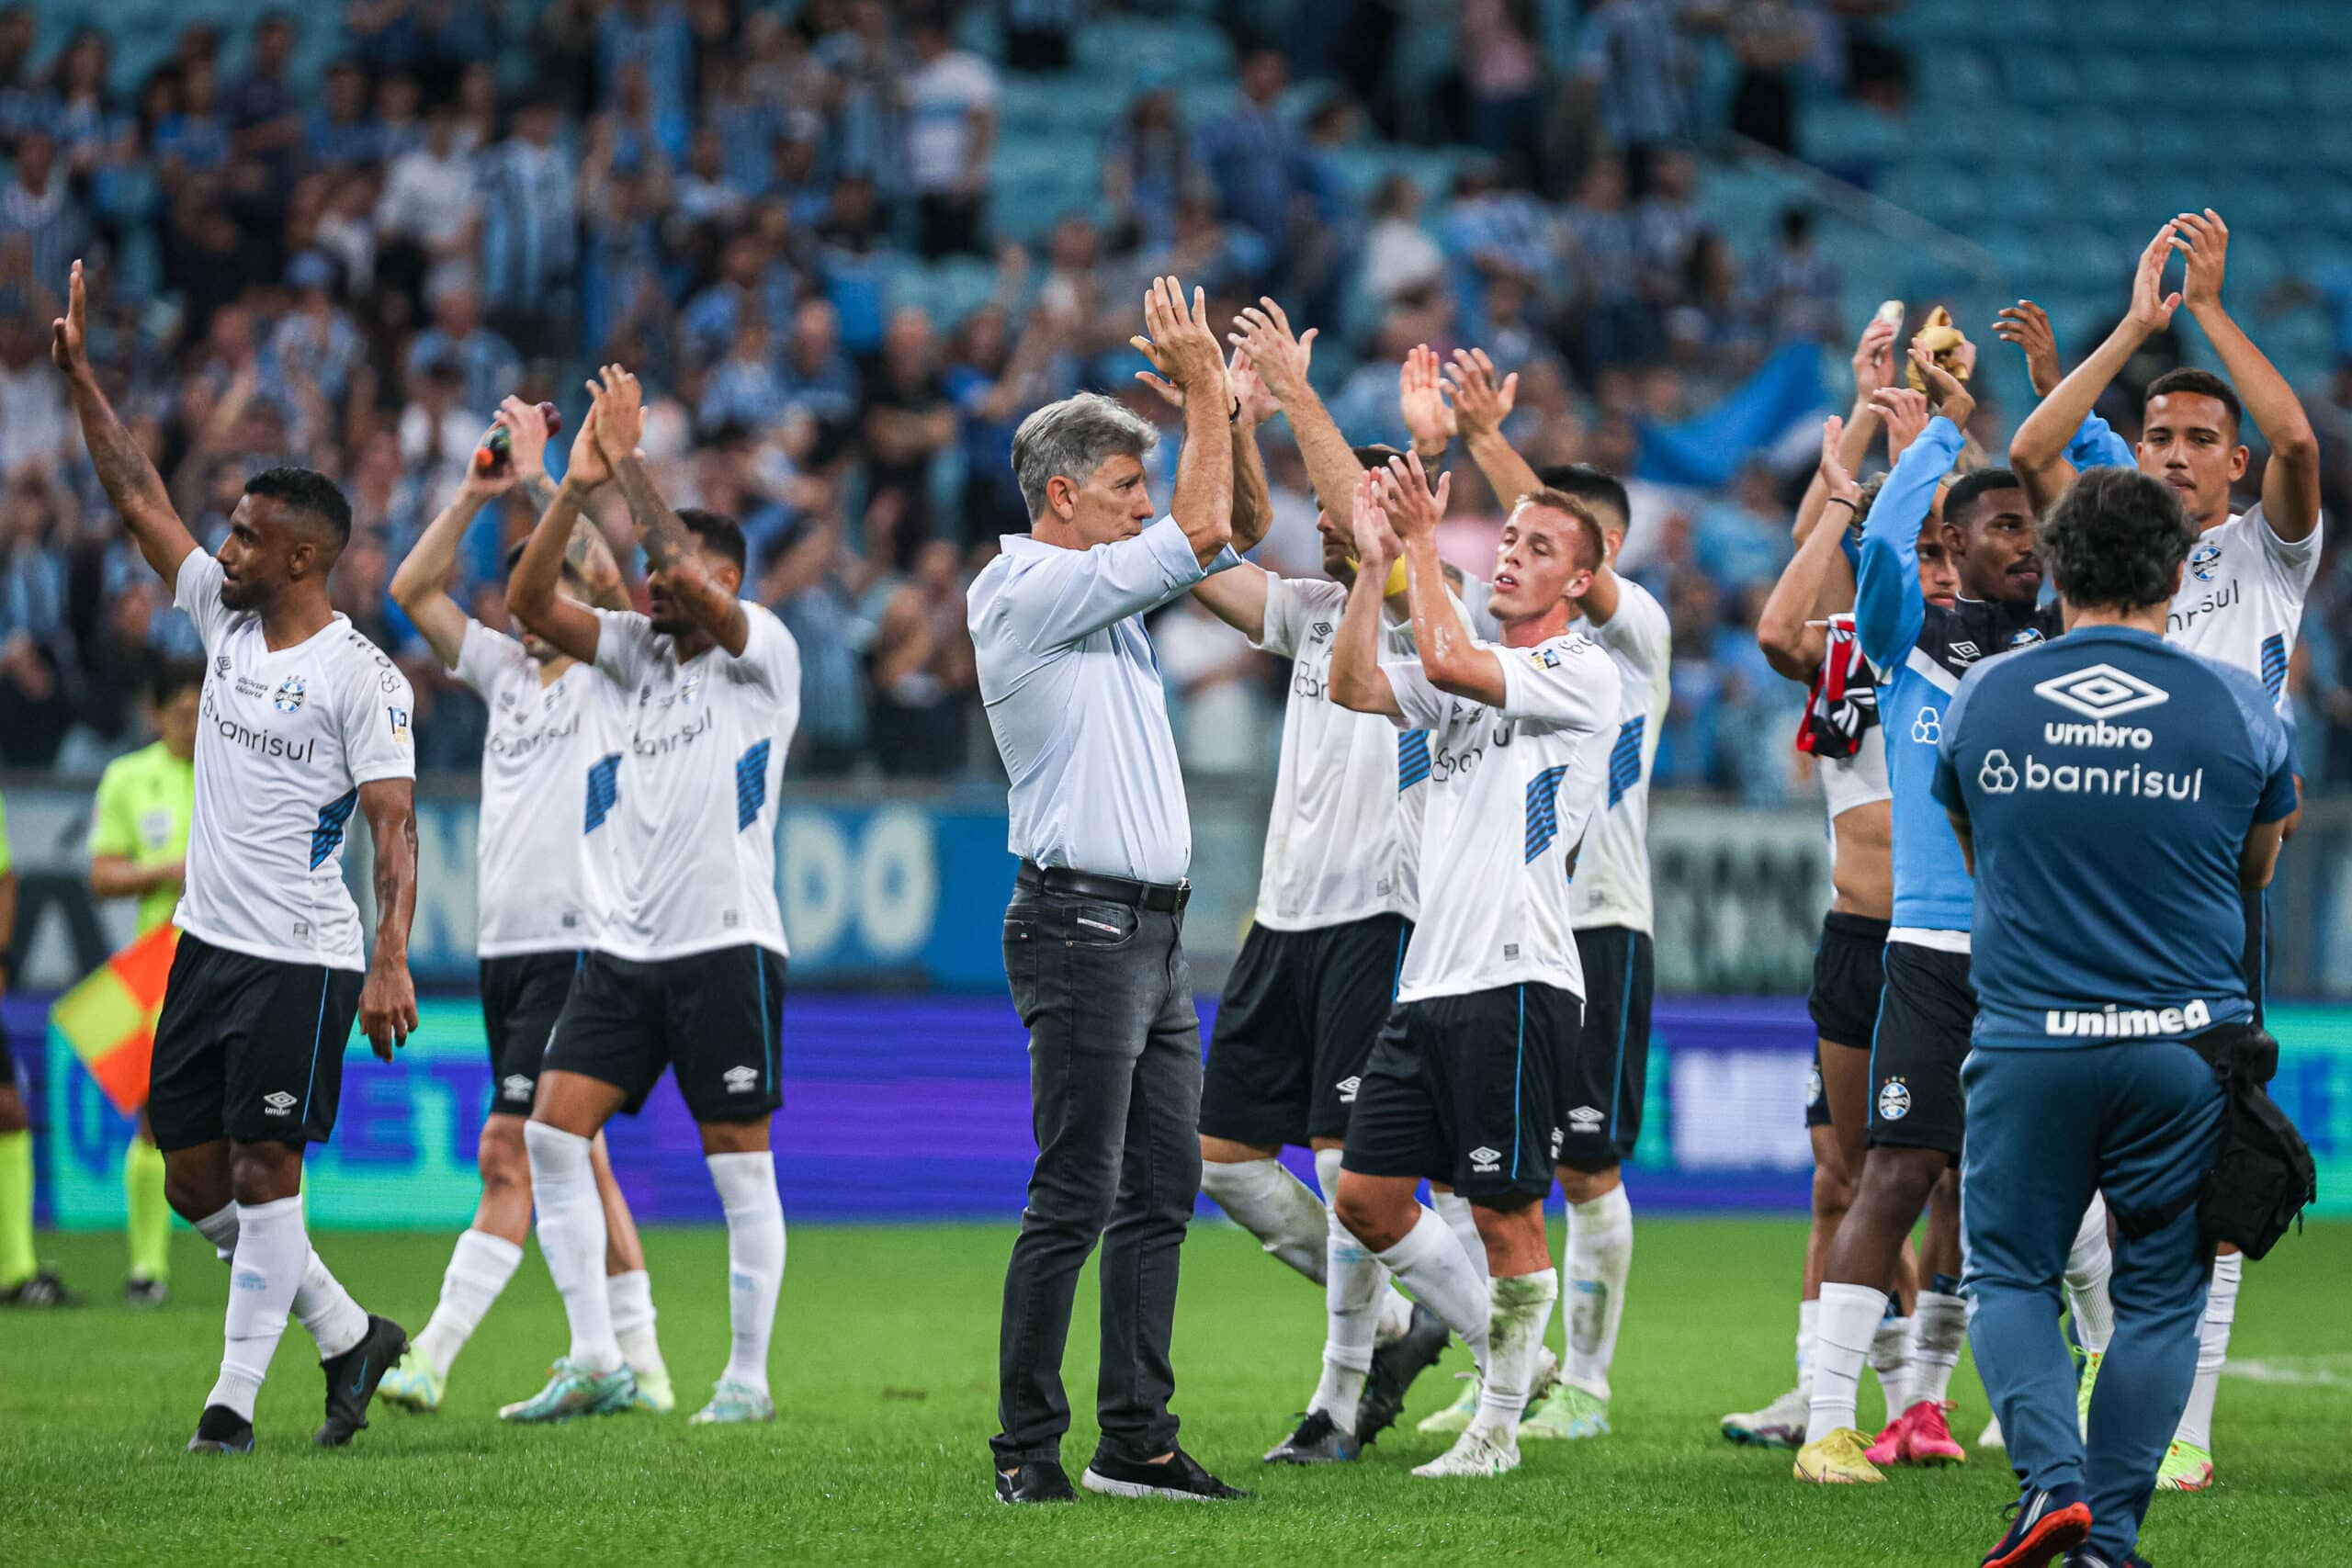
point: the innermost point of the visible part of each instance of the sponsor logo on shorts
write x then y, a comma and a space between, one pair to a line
1347, 1087
1812, 1086
1486, 1161
516, 1086
278, 1104
2113, 1022
741, 1081
1587, 1119
1558, 1137
1893, 1100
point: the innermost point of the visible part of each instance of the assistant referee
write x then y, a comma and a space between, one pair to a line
2115, 795
1093, 937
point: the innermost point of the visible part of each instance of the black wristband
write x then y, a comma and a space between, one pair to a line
1841, 500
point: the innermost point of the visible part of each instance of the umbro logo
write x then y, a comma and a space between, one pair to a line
1321, 629
1587, 1119
1486, 1161
1965, 653
279, 1103
741, 1081
2101, 692
220, 666
1348, 1087
516, 1086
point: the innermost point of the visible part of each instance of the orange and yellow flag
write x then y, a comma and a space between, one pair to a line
109, 1018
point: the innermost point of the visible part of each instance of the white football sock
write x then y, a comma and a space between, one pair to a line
2212, 1351
1429, 1262
571, 1239
1395, 1315
1351, 1300
1592, 1278
326, 1309
746, 1184
1891, 1346
1938, 1328
1517, 1321
478, 1269
630, 1296
1808, 1329
220, 1228
264, 1273
1263, 1198
1454, 1210
1849, 1316
2089, 1265
321, 1304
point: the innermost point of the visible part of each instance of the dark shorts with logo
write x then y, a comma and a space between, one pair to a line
1849, 973
1923, 1022
248, 1049
714, 1019
1465, 1090
1297, 1019
1600, 1088
522, 996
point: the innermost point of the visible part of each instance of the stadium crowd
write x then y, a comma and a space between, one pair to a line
349, 273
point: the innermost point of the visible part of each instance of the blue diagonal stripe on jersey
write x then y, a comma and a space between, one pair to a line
751, 784
328, 834
2274, 664
604, 790
1544, 809
1625, 758
1412, 759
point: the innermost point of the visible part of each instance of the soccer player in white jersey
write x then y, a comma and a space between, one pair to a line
689, 975
550, 774
304, 722
2240, 601
1336, 901
1463, 1087
1609, 912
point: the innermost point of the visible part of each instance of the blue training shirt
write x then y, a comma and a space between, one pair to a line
2109, 781
1921, 651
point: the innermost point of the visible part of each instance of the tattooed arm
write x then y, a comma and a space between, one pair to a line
669, 547
130, 480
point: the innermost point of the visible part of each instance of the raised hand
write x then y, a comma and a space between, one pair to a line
2027, 325
1281, 357
1413, 504
526, 436
1875, 358
2152, 307
1481, 403
589, 468
619, 403
2207, 248
1181, 346
67, 350
1834, 477
1420, 398
1258, 402
1948, 395
1906, 413
1377, 545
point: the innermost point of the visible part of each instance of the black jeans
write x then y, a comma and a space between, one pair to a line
1114, 1089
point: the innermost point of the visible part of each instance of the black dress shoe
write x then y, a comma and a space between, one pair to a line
1181, 1477
1038, 1481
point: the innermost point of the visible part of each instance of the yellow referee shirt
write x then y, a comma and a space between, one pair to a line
144, 803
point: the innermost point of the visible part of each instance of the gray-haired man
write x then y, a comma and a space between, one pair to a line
1092, 939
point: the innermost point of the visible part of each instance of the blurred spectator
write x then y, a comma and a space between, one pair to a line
340, 134
1793, 290
1769, 39
1399, 257
486, 365
38, 207
430, 209
1253, 156
908, 423
1634, 68
1503, 75
950, 136
924, 674
530, 238
1145, 165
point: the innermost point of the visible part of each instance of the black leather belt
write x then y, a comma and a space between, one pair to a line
1156, 895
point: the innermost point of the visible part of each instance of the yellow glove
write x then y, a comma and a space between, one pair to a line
1941, 339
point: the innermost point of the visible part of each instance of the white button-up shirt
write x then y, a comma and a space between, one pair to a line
1075, 700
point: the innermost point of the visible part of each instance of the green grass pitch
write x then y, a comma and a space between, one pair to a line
884, 1369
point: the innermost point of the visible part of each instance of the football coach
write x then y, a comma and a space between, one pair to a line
2114, 796
1093, 944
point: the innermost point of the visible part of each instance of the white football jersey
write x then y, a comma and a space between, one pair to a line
1612, 886
1349, 786
1510, 792
693, 859
287, 738
551, 775
2241, 598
